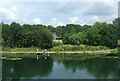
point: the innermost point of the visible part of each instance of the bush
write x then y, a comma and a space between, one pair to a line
102, 34
77, 48
5, 48
118, 49
33, 49
15, 35
56, 44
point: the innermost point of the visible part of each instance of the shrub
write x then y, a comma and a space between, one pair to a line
118, 49
77, 48
56, 43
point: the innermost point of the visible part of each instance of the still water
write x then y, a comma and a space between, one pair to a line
60, 67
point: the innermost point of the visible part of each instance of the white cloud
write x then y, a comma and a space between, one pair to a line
95, 18
37, 21
8, 14
60, 24
55, 22
23, 12
14, 9
12, 14
92, 19
109, 19
93, 7
73, 19
65, 8
58, 0
107, 7
76, 20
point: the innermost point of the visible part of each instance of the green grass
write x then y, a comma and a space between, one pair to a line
78, 48
60, 49
58, 41
33, 49
115, 53
14, 59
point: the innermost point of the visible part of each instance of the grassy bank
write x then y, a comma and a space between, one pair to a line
71, 56
58, 48
78, 48
58, 41
30, 49
62, 49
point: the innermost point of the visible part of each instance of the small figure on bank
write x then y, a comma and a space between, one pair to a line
105, 51
44, 51
37, 50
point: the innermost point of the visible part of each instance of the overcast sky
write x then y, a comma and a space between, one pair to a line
58, 13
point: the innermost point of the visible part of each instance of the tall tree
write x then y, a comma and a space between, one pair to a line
60, 30
116, 24
15, 34
102, 34
5, 35
51, 28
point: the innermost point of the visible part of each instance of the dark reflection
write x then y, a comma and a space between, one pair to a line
98, 67
36, 67
27, 68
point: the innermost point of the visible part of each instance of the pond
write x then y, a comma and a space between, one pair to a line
33, 66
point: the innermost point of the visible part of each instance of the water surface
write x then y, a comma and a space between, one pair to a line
60, 67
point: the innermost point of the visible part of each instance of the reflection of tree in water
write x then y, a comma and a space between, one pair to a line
119, 71
27, 68
98, 67
103, 68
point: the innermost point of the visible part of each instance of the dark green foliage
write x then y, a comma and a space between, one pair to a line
11, 34
28, 67
77, 39
102, 34
66, 38
60, 31
74, 39
5, 35
26, 36
118, 49
85, 27
77, 34
71, 28
78, 48
15, 33
51, 28
46, 39
116, 24
57, 43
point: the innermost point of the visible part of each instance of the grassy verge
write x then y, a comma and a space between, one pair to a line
61, 49
58, 41
78, 48
30, 49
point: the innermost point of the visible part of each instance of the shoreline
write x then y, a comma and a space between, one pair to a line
88, 52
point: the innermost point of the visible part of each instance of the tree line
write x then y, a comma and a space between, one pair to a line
101, 33
26, 35
15, 35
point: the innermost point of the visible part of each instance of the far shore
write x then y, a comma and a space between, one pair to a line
68, 52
